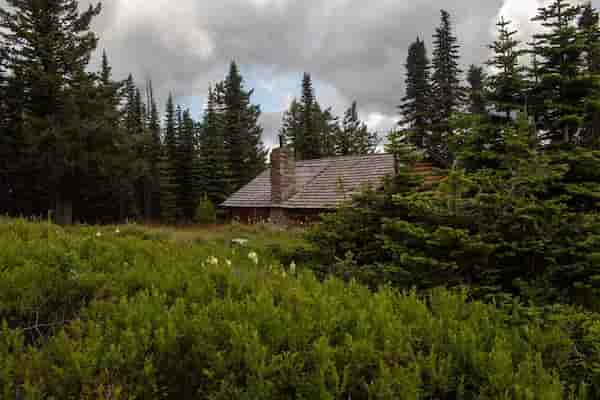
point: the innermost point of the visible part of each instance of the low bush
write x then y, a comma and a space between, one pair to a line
206, 212
110, 316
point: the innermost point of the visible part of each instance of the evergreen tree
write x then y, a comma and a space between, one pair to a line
49, 47
153, 151
214, 166
187, 184
327, 127
416, 104
354, 137
508, 84
168, 166
308, 146
559, 51
590, 33
292, 125
477, 97
242, 133
447, 94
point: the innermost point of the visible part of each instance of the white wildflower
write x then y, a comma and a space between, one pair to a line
98, 234
254, 257
240, 242
228, 262
293, 267
117, 231
283, 273
213, 260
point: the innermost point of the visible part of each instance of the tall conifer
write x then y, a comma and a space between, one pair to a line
242, 132
416, 104
447, 93
476, 91
168, 171
214, 166
559, 50
308, 147
507, 85
49, 47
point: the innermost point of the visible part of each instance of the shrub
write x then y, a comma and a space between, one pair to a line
137, 318
206, 212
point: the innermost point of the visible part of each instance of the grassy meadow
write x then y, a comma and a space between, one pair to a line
134, 312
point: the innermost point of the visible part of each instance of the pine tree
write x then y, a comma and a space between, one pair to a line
168, 166
508, 84
416, 104
477, 97
559, 51
187, 154
49, 47
308, 146
589, 28
242, 133
353, 137
588, 24
327, 127
215, 178
447, 93
292, 125
153, 151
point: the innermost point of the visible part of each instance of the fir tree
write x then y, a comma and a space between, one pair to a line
590, 33
327, 127
416, 104
354, 137
447, 93
477, 97
168, 166
559, 51
187, 155
307, 146
508, 84
215, 180
153, 151
292, 125
242, 133
49, 47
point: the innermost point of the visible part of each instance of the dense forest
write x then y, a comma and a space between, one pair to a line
517, 210
77, 143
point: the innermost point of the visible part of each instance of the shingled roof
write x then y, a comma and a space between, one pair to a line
320, 184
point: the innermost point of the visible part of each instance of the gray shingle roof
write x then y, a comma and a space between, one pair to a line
320, 184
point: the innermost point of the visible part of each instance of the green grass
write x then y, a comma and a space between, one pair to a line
153, 313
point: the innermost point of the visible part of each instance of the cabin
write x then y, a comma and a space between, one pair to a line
293, 190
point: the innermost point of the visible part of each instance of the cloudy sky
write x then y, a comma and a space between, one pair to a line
354, 49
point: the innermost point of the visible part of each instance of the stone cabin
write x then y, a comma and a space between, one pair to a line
293, 190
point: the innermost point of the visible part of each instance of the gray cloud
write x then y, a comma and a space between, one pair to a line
357, 49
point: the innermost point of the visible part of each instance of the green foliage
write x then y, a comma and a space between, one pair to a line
416, 105
526, 225
447, 94
477, 91
120, 316
206, 213
507, 86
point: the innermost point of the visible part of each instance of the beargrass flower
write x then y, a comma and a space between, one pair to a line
293, 267
213, 260
254, 257
98, 234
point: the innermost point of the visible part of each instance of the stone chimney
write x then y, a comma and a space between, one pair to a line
283, 174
